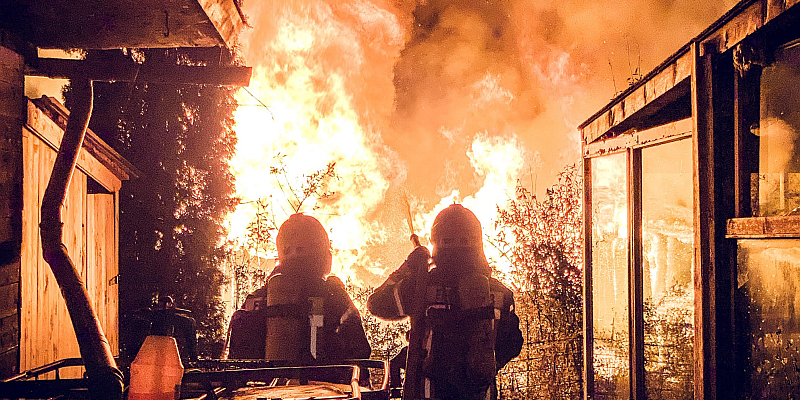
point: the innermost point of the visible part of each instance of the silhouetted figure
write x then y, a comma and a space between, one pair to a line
302, 315
164, 319
467, 325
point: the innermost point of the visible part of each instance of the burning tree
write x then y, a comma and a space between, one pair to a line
250, 263
171, 218
544, 245
251, 260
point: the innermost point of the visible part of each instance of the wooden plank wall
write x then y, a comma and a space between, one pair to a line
101, 251
90, 235
12, 109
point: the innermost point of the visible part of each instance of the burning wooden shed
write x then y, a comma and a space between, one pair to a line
34, 324
692, 219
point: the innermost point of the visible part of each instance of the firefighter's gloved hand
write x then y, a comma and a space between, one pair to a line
415, 260
419, 258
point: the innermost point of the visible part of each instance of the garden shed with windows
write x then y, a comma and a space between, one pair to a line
692, 219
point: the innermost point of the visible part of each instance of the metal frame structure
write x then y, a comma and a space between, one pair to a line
213, 379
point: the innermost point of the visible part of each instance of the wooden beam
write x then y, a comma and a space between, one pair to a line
713, 91
129, 71
660, 134
764, 227
95, 24
226, 18
641, 99
734, 28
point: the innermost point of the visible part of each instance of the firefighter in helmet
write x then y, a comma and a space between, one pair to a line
302, 315
468, 326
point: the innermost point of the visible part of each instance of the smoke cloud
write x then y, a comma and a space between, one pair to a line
434, 101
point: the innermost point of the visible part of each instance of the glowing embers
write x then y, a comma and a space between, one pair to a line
610, 280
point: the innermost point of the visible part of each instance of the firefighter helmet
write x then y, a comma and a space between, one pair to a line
303, 244
457, 240
456, 226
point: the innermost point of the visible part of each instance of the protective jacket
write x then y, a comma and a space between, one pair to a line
340, 336
449, 358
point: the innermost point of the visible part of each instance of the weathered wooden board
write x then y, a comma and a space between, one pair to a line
225, 17
732, 31
635, 101
126, 23
101, 248
47, 130
777, 7
657, 83
129, 71
666, 132
90, 237
763, 227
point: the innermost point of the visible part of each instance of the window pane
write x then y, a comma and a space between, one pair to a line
668, 286
610, 276
778, 179
768, 318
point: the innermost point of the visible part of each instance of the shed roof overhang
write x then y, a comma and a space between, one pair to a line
663, 95
109, 24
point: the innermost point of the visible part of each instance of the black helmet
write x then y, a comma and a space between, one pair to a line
456, 226
457, 239
303, 246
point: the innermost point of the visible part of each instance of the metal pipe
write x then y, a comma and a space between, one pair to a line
105, 379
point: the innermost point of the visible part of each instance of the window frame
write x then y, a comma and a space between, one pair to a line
631, 144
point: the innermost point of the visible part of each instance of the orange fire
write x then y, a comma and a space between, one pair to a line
324, 75
435, 101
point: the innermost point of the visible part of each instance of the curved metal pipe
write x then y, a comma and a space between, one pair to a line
105, 379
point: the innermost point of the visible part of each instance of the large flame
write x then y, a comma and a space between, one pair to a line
423, 103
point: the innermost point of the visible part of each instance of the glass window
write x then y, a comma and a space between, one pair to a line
768, 318
776, 187
610, 276
667, 258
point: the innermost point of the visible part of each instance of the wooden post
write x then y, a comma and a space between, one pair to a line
714, 279
704, 284
588, 334
636, 322
105, 379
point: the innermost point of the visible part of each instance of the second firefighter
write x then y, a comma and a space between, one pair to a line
463, 324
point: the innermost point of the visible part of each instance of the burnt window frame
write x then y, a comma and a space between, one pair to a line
631, 143
747, 112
